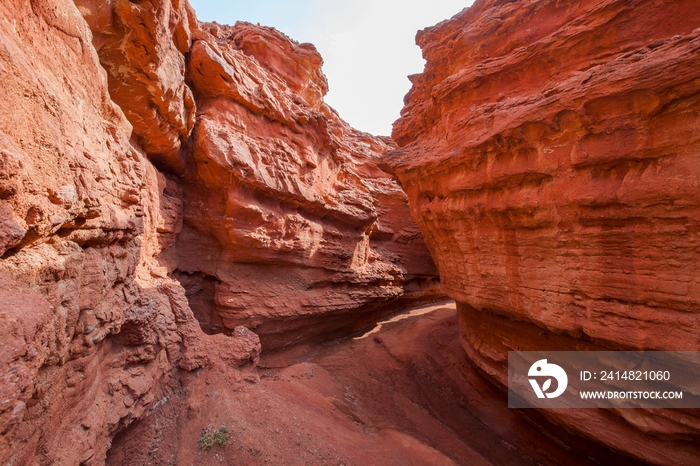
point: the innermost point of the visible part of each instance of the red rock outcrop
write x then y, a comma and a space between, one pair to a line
290, 227
92, 332
142, 46
550, 155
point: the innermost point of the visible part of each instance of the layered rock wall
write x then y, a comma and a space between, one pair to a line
92, 331
142, 45
289, 226
550, 155
282, 199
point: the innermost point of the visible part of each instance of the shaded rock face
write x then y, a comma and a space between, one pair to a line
296, 231
550, 155
98, 118
406, 394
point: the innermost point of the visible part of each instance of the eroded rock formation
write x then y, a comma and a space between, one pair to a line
142, 45
550, 155
290, 227
97, 132
91, 331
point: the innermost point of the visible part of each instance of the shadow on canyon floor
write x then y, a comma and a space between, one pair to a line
403, 395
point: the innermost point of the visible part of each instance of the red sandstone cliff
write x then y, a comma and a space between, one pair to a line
98, 131
290, 228
142, 46
550, 155
91, 332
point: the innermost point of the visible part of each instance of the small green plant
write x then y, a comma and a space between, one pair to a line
210, 437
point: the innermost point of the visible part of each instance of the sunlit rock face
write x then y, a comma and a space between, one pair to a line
93, 333
289, 226
128, 232
550, 153
142, 46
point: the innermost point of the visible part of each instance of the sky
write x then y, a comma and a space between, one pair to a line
368, 46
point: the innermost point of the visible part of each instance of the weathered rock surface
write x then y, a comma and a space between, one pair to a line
92, 331
289, 226
550, 155
142, 46
405, 395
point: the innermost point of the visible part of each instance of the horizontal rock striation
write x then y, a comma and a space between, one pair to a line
550, 155
130, 221
289, 226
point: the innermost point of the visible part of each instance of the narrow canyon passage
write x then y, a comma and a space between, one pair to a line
192, 239
403, 395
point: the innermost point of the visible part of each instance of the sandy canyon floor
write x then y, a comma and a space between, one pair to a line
404, 394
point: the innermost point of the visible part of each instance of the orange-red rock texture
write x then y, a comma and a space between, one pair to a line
140, 153
550, 152
405, 395
289, 226
143, 46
